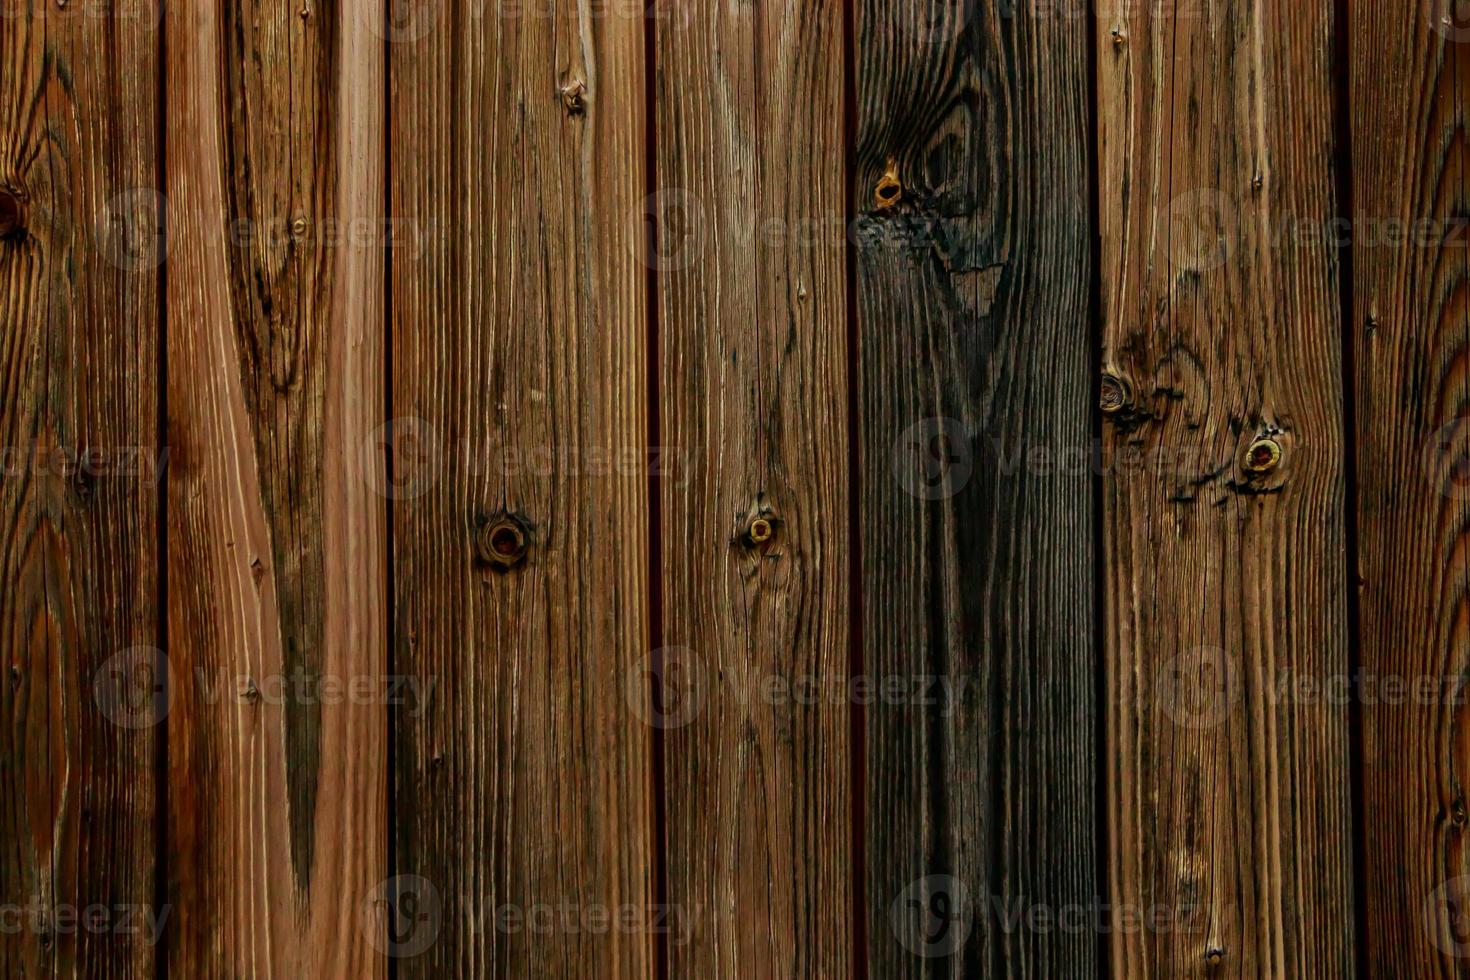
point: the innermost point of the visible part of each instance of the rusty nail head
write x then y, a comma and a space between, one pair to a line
1263, 456
502, 543
12, 214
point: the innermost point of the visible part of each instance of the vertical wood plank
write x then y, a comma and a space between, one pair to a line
1410, 82
78, 487
753, 326
519, 385
1228, 790
276, 538
975, 341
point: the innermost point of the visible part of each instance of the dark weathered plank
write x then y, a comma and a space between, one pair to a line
276, 538
1227, 789
78, 488
1410, 83
520, 386
976, 508
753, 324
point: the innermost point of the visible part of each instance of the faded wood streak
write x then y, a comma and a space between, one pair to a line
78, 496
1228, 794
519, 382
276, 535
973, 298
1410, 84
753, 322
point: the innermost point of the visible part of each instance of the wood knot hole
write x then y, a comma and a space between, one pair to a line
1214, 955
1114, 396
12, 215
1262, 456
573, 98
503, 543
890, 189
760, 531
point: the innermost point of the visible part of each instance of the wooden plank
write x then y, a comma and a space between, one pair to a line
276, 539
1410, 82
78, 488
753, 329
1227, 791
520, 385
975, 341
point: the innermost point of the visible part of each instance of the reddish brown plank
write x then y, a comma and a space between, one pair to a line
78, 489
276, 538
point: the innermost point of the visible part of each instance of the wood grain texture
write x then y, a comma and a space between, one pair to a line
753, 328
973, 299
1228, 786
520, 383
1410, 83
276, 536
78, 492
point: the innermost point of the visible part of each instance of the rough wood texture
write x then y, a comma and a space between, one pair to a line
520, 382
1228, 790
78, 493
974, 271
1410, 81
276, 538
753, 323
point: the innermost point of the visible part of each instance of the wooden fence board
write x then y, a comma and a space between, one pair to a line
1409, 84
753, 323
78, 488
276, 538
975, 340
520, 386
1228, 788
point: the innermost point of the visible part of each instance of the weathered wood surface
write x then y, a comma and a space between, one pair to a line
519, 333
975, 343
78, 489
753, 388
1410, 81
1228, 794
276, 536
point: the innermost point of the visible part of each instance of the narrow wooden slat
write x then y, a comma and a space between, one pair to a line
78, 490
1228, 781
976, 507
524, 791
276, 538
753, 324
1410, 327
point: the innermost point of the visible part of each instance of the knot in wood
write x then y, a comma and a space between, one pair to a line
1262, 456
503, 543
12, 214
1114, 396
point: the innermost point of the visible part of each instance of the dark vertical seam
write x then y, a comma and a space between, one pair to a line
857, 714
654, 489
1097, 638
1342, 146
